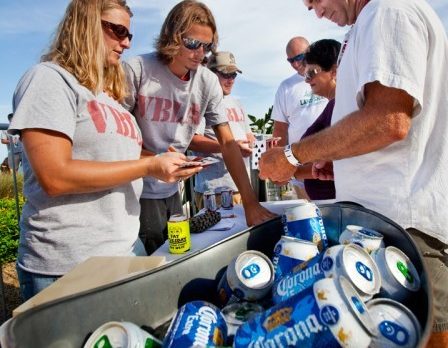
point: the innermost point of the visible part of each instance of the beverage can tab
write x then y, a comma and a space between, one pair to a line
402, 268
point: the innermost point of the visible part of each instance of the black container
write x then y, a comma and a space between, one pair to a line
150, 299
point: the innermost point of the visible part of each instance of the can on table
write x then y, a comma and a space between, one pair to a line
197, 324
248, 277
121, 334
367, 238
290, 252
179, 238
226, 197
304, 221
210, 200
396, 325
400, 278
236, 314
350, 261
328, 314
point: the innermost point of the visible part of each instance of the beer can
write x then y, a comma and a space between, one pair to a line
237, 314
226, 197
396, 325
290, 252
400, 278
197, 324
121, 334
179, 238
350, 261
328, 314
304, 221
248, 277
210, 201
367, 238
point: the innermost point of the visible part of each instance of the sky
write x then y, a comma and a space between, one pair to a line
255, 31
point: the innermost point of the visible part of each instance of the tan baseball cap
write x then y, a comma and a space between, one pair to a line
224, 62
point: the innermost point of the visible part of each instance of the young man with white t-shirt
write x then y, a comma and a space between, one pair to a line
170, 93
296, 107
204, 142
388, 138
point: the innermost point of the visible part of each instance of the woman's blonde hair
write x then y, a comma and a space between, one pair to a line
79, 47
180, 20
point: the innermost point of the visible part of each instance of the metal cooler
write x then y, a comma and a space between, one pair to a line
150, 299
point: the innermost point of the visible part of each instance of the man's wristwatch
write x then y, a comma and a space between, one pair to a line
290, 156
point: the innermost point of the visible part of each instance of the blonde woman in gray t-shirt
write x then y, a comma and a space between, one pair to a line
82, 162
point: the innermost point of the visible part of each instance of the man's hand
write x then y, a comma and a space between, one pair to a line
323, 170
245, 149
257, 214
274, 166
167, 167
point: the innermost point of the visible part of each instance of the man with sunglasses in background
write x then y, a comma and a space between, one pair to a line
170, 93
204, 142
295, 106
388, 140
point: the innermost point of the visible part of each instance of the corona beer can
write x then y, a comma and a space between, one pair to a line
290, 252
226, 197
350, 261
210, 201
179, 238
328, 314
196, 324
121, 334
396, 325
304, 221
248, 277
400, 278
367, 238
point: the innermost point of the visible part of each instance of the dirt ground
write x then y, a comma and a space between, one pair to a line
10, 298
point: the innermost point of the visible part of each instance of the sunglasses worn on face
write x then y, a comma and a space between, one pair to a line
229, 76
310, 74
300, 57
193, 44
119, 30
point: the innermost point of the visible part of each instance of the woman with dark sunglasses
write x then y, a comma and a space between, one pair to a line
82, 164
320, 73
171, 91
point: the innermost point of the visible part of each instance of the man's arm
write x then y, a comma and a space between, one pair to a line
281, 131
201, 143
385, 118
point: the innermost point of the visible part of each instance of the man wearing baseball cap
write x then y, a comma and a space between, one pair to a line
204, 142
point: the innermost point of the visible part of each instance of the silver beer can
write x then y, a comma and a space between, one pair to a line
210, 200
226, 197
367, 238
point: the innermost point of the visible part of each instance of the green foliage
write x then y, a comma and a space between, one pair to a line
7, 184
262, 125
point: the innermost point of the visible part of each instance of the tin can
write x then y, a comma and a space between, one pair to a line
248, 277
236, 314
397, 326
226, 197
197, 324
210, 201
367, 238
350, 261
290, 252
121, 334
179, 238
304, 221
400, 278
328, 314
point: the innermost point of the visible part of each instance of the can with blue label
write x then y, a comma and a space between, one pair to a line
197, 324
226, 194
367, 238
396, 325
290, 252
400, 278
350, 261
328, 314
304, 221
248, 277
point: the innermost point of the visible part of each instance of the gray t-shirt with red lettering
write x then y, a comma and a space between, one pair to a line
59, 232
169, 110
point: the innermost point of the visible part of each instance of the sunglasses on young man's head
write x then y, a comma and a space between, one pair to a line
119, 30
227, 76
310, 74
299, 58
193, 44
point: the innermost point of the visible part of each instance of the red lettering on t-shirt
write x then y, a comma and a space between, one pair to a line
234, 115
98, 117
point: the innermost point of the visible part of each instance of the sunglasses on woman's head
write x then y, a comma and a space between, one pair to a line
119, 30
193, 44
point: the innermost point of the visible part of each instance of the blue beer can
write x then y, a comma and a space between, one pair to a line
197, 324
328, 314
305, 222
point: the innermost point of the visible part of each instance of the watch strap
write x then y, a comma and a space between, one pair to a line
290, 156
